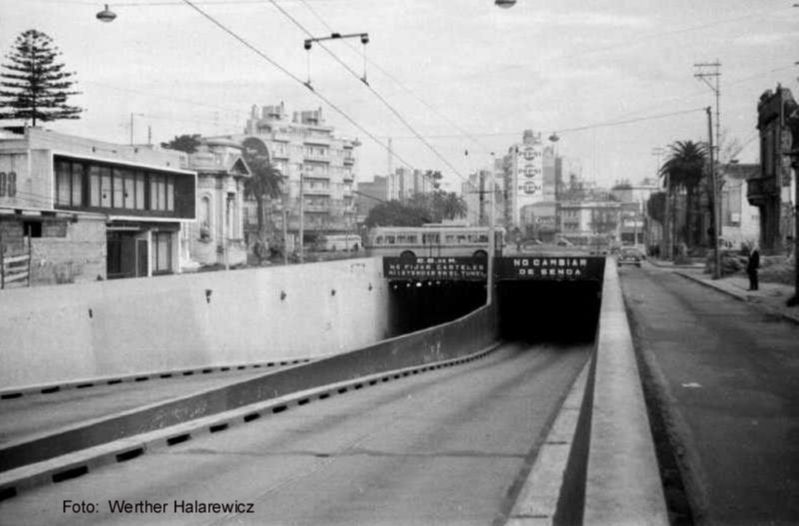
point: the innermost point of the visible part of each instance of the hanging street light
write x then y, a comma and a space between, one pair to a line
106, 15
505, 4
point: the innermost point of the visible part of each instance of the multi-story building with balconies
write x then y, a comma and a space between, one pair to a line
315, 163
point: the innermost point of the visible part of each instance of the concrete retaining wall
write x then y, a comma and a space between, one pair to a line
459, 338
74, 332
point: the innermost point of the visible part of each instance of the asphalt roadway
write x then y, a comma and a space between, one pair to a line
725, 377
444, 447
36, 414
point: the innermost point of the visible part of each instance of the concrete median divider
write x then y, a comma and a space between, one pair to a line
610, 475
461, 337
622, 478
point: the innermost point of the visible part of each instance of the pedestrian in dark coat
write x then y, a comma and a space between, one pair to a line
751, 267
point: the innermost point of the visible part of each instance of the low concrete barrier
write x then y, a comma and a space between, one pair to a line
450, 340
622, 484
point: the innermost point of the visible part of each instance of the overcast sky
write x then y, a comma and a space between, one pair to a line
465, 74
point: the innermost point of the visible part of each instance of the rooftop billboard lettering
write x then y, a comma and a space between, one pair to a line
435, 268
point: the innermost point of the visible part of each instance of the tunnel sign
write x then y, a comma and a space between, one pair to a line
435, 268
550, 268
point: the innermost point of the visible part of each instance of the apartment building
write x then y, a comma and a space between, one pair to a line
315, 162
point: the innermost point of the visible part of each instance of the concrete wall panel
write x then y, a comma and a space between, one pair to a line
65, 333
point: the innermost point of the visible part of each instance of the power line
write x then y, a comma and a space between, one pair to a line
578, 128
370, 88
292, 76
465, 133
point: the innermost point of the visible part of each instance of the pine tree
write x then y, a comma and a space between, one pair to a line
33, 85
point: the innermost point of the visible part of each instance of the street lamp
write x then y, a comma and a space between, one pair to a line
491, 237
336, 36
505, 4
106, 15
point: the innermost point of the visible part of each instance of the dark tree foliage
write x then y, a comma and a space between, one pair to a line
395, 213
264, 185
656, 207
183, 143
33, 84
686, 169
422, 208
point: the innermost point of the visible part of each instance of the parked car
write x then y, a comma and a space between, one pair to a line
629, 256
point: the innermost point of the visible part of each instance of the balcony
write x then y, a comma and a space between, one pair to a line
315, 157
349, 160
318, 190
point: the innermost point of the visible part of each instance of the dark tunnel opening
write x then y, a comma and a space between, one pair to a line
417, 305
529, 311
549, 311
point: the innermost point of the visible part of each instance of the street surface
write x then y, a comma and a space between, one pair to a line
442, 447
727, 378
34, 414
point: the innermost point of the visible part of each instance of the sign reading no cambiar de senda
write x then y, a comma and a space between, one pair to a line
550, 268
435, 268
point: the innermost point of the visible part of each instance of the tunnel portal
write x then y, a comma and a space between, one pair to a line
547, 298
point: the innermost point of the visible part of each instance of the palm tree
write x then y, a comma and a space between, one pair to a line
685, 169
265, 184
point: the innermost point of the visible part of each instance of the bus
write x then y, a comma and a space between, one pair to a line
340, 242
432, 240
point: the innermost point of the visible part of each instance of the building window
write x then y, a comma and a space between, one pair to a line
138, 180
105, 187
162, 252
94, 185
8, 184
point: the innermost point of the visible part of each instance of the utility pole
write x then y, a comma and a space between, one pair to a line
390, 158
131, 125
714, 192
665, 247
491, 246
710, 74
302, 218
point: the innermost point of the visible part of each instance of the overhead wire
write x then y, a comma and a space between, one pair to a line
382, 99
402, 86
293, 77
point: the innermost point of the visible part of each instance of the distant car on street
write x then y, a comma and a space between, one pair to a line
629, 256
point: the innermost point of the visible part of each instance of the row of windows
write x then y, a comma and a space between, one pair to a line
449, 239
83, 184
8, 184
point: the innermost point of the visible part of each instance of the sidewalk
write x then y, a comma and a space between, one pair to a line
771, 297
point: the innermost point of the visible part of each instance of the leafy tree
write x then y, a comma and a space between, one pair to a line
686, 169
395, 213
34, 85
183, 143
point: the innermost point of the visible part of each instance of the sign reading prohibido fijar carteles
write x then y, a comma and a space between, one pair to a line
435, 268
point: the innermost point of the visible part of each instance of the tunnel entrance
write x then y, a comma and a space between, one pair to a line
549, 298
549, 311
416, 305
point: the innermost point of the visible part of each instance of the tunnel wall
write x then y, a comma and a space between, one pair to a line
68, 333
